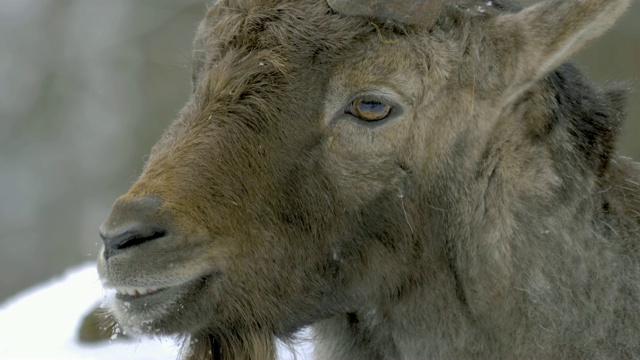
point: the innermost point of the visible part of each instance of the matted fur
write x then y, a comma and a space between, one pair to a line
488, 217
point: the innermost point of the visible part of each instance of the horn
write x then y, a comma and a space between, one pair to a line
413, 12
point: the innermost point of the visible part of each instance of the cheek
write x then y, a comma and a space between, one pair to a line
363, 165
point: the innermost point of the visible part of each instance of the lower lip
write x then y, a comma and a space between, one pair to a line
127, 297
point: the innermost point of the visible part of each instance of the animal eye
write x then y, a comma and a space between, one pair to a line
369, 110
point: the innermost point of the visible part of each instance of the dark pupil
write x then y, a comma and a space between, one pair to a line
372, 106
369, 110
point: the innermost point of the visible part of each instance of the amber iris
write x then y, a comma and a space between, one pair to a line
369, 110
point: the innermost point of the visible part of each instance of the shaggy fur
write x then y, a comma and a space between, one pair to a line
488, 217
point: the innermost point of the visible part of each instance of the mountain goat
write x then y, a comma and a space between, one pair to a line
412, 179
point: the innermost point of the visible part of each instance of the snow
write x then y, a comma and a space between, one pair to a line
42, 323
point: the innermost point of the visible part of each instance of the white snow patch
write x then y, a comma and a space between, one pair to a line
42, 323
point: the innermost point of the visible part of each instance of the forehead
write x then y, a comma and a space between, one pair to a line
388, 68
290, 28
302, 35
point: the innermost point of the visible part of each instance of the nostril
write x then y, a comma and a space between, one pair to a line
134, 221
128, 237
135, 239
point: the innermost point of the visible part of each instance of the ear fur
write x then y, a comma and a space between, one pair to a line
547, 34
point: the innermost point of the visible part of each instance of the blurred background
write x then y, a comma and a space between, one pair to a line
86, 88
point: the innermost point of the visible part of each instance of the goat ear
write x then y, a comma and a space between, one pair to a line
547, 34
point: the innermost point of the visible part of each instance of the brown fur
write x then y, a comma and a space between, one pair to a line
489, 217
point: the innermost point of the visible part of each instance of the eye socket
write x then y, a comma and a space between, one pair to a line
369, 110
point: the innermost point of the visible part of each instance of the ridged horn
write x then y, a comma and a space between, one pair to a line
414, 12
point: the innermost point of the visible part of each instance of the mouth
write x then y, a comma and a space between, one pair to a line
150, 309
134, 293
147, 298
